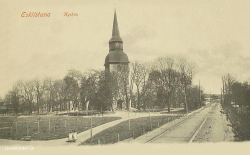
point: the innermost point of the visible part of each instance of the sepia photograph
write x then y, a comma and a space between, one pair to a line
113, 76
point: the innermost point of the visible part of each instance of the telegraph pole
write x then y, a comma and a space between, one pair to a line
221, 97
200, 93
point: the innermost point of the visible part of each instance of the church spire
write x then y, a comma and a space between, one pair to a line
115, 31
115, 27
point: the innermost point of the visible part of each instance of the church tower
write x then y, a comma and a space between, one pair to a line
116, 54
116, 64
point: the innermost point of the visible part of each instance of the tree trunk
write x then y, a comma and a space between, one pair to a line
127, 100
138, 98
169, 105
37, 102
69, 106
185, 100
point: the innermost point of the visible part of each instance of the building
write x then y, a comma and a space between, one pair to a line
5, 108
116, 64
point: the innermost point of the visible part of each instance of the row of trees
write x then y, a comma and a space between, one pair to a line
50, 95
236, 103
165, 83
235, 92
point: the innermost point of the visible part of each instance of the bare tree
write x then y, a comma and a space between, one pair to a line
27, 93
138, 77
89, 87
187, 71
166, 68
39, 88
227, 82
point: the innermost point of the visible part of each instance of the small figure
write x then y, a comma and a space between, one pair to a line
75, 135
70, 136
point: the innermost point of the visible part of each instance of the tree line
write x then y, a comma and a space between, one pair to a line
235, 93
164, 83
235, 99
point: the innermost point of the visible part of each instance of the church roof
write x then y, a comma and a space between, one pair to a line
115, 32
116, 57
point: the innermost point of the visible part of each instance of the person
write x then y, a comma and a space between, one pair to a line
70, 136
75, 135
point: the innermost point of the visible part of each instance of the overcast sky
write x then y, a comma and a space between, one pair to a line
215, 34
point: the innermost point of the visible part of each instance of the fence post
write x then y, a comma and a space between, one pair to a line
11, 130
27, 128
118, 138
99, 142
38, 125
133, 134
158, 124
150, 121
76, 123
91, 128
54, 125
16, 130
49, 124
65, 123
128, 122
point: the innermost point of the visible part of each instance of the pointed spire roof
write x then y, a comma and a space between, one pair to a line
115, 31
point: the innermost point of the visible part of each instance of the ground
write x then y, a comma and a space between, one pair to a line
216, 128
184, 130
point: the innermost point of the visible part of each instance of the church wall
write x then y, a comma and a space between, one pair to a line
121, 73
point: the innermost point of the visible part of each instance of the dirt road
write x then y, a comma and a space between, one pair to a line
205, 125
215, 129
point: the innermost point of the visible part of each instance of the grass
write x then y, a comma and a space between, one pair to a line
89, 113
47, 127
138, 127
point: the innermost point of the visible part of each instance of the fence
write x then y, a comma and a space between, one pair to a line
130, 129
46, 128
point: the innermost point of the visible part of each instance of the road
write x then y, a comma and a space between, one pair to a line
216, 128
183, 130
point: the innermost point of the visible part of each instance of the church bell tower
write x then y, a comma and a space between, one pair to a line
116, 64
116, 55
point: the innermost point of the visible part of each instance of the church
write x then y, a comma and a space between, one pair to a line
116, 64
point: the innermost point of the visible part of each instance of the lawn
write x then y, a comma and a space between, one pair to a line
120, 132
47, 127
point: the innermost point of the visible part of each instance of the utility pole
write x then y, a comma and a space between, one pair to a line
91, 130
221, 97
210, 97
199, 93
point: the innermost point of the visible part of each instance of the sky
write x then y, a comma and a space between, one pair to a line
214, 34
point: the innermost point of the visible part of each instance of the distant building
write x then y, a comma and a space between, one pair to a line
5, 108
117, 62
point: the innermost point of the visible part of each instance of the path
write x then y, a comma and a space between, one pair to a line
216, 128
180, 134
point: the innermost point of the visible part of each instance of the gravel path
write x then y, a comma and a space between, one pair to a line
180, 134
215, 129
